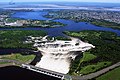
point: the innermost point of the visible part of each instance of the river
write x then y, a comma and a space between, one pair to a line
17, 73
71, 25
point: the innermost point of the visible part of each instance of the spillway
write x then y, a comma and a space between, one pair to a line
59, 63
57, 54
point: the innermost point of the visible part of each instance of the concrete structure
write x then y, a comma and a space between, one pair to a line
47, 72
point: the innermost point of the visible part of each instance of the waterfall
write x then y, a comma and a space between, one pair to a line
57, 62
57, 54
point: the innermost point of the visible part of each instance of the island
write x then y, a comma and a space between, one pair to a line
6, 21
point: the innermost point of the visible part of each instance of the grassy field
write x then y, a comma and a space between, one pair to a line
3, 63
19, 57
76, 64
87, 57
92, 68
107, 51
111, 75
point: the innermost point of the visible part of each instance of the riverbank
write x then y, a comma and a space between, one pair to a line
31, 23
104, 23
18, 57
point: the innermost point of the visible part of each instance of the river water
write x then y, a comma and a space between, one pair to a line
17, 73
71, 25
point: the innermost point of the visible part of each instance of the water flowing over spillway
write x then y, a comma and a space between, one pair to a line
57, 54
56, 63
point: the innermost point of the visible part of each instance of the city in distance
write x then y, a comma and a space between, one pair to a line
50, 40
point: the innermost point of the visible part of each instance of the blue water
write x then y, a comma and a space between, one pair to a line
71, 25
37, 15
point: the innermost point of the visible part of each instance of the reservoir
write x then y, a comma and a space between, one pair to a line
17, 73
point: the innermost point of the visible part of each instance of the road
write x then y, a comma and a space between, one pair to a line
10, 62
85, 77
96, 74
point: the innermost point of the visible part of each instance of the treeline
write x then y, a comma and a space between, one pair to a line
15, 39
107, 43
105, 24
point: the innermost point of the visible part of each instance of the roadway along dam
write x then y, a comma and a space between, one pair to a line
57, 54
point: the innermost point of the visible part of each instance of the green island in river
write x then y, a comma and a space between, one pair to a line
19, 23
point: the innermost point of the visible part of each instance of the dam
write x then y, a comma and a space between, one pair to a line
58, 54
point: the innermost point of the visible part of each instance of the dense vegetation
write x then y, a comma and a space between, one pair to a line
107, 51
19, 57
106, 24
76, 64
112, 75
94, 67
15, 39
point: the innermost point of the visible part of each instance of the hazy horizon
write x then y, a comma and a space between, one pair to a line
92, 1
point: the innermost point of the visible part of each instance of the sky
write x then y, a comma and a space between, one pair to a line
106, 1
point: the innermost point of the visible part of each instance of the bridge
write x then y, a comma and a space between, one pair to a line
47, 72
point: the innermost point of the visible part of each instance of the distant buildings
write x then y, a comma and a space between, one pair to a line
87, 15
13, 24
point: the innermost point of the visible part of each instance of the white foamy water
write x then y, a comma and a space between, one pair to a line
57, 55
55, 64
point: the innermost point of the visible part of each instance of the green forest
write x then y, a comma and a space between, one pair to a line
105, 53
16, 38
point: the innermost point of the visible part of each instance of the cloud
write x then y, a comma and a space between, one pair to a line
115, 1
